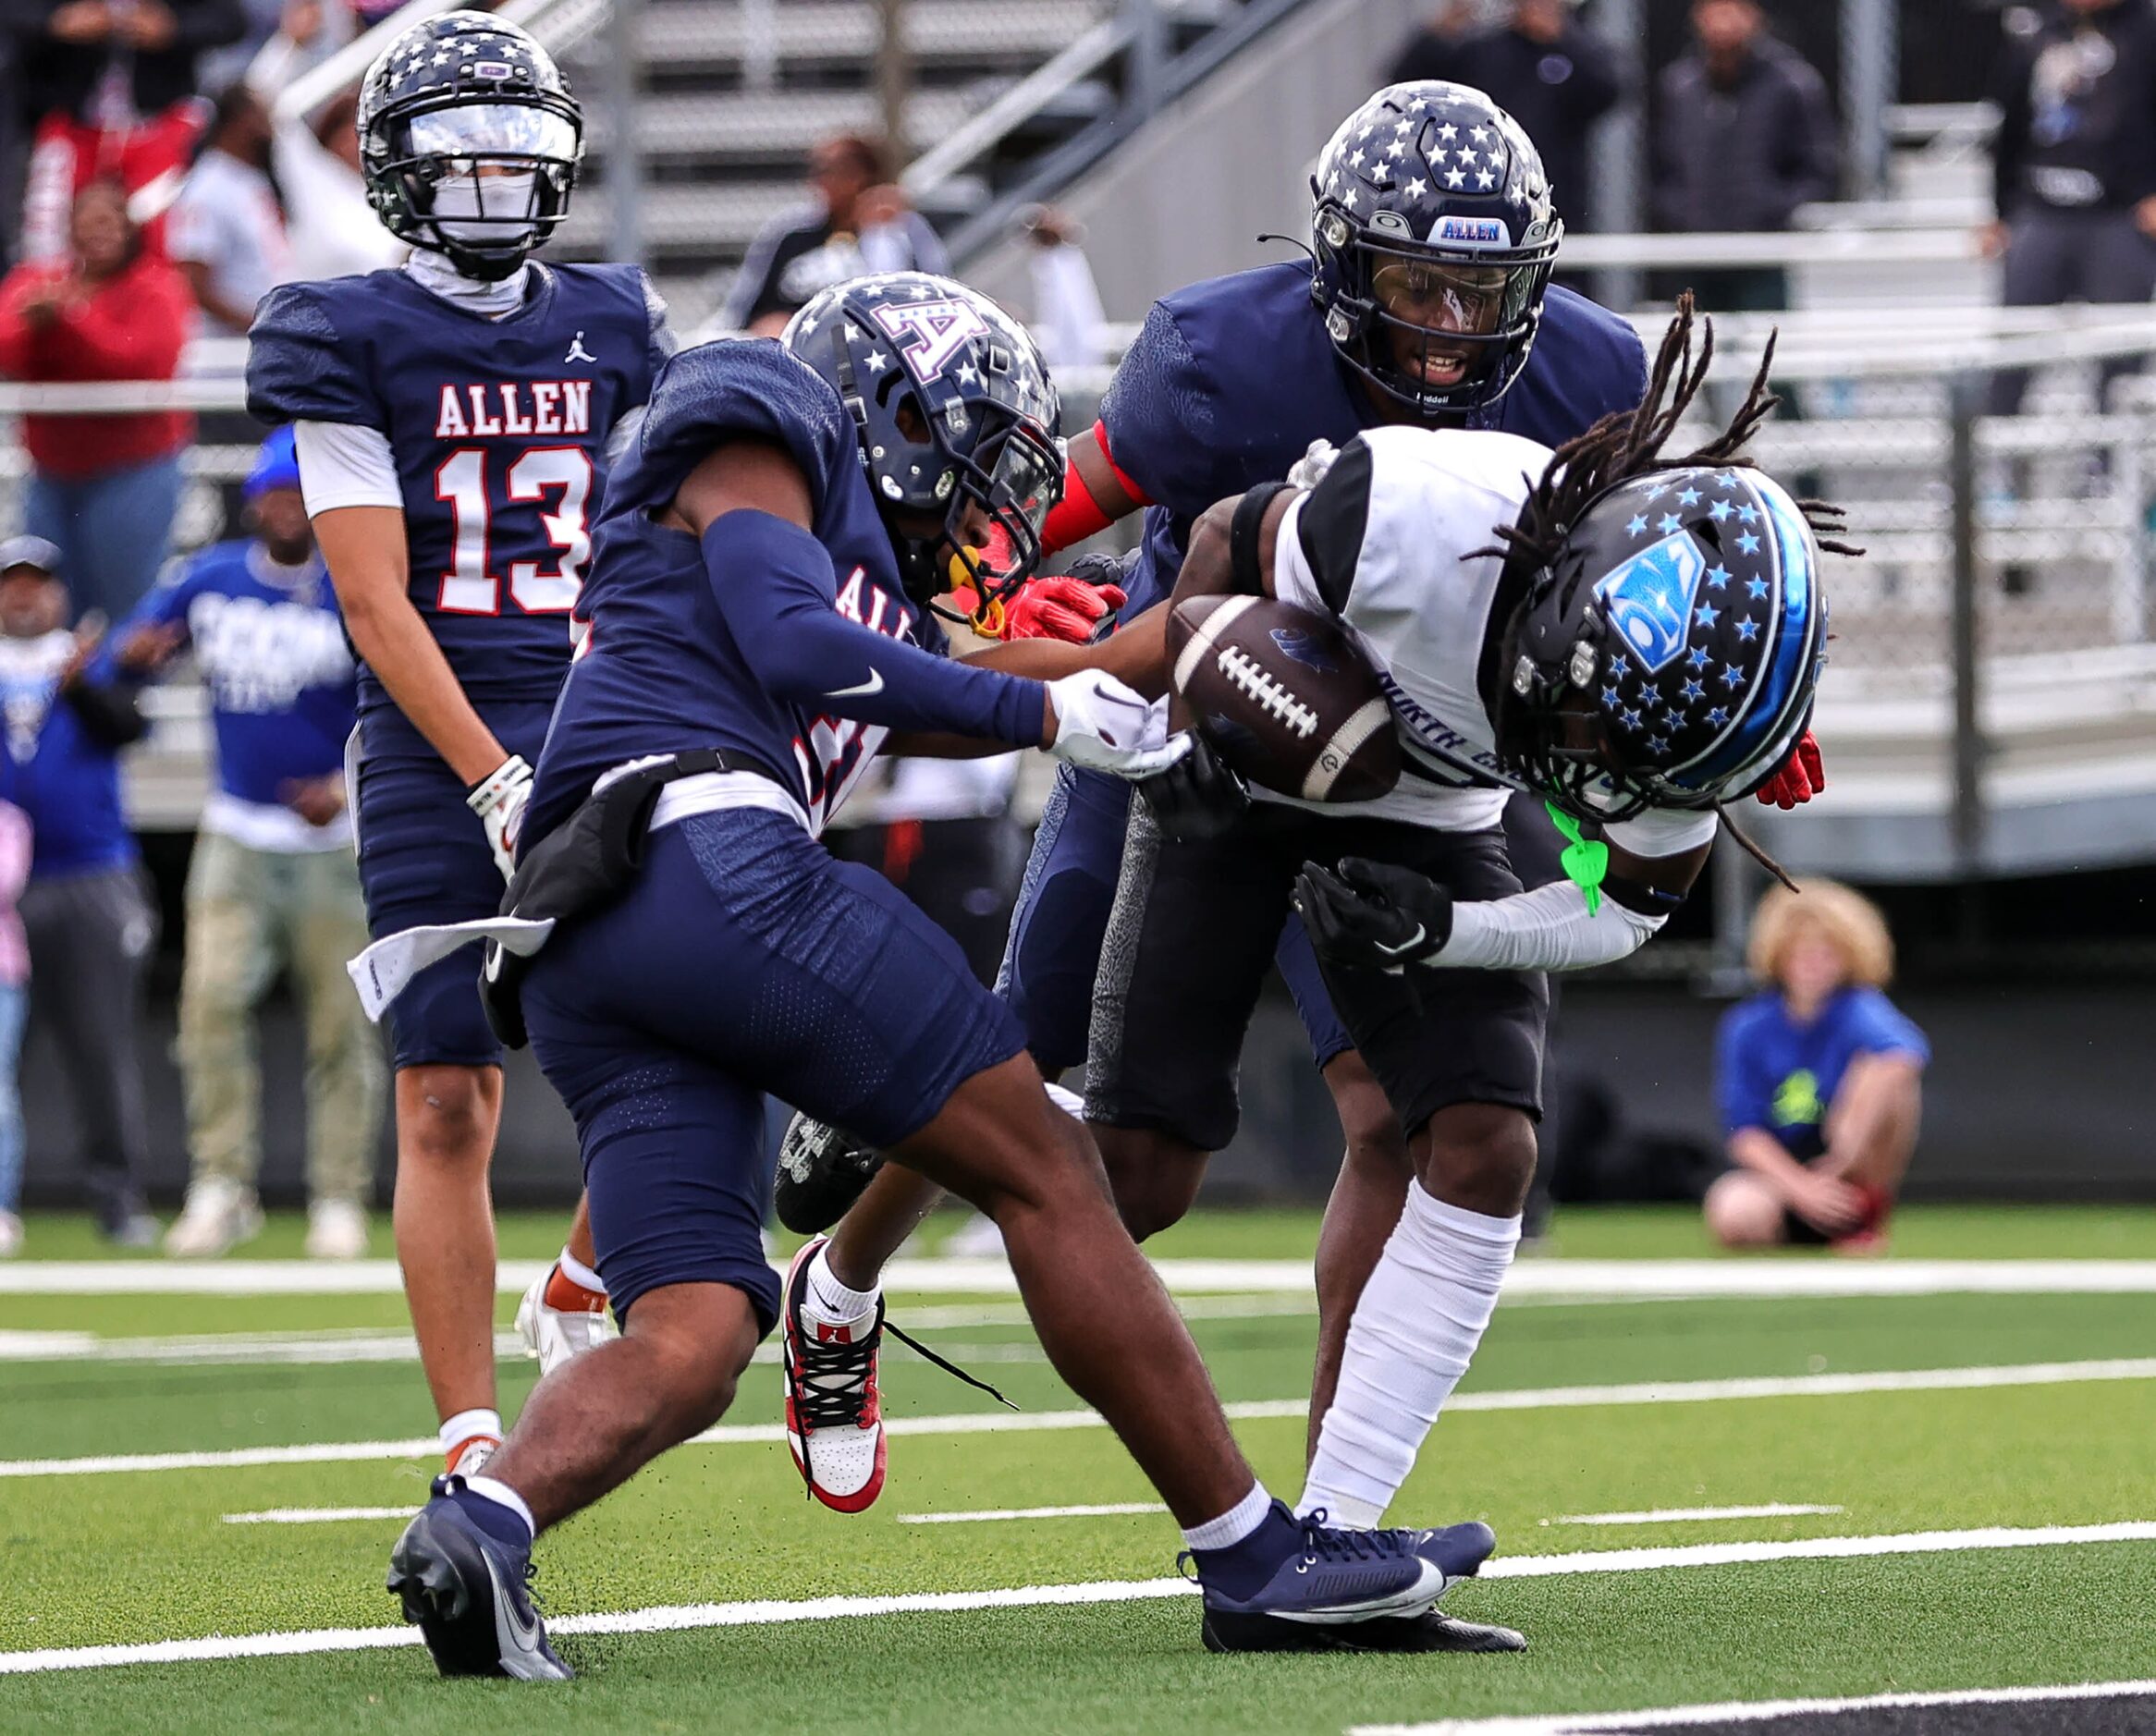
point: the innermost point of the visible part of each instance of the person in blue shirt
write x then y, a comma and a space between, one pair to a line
86, 911
1819, 1078
273, 884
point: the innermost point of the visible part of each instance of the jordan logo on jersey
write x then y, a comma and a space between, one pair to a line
514, 407
930, 333
577, 352
1651, 597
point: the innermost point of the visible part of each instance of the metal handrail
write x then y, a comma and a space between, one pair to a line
1024, 100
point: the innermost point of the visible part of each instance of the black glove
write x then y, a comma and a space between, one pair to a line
1199, 797
1373, 916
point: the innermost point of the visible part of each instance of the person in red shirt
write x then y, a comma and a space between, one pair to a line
102, 488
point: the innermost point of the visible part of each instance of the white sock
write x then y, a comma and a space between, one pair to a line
498, 1492
1233, 1525
1421, 1315
577, 1272
831, 1303
467, 1424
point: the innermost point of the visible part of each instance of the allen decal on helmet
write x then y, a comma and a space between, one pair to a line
469, 141
1435, 237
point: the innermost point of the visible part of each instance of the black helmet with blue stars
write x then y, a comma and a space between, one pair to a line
955, 412
1686, 613
1434, 236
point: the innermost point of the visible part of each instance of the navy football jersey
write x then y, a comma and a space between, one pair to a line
658, 670
500, 430
1232, 379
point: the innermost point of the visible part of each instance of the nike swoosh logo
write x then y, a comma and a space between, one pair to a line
516, 1634
1408, 945
873, 685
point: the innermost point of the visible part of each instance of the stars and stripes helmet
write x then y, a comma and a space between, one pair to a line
469, 141
1668, 657
955, 412
1434, 236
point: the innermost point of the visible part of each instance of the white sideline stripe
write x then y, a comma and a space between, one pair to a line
1257, 1409
1758, 1711
1574, 1279
315, 1515
675, 1617
1671, 1515
1103, 1510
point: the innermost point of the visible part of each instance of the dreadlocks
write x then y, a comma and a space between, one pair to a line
1627, 443
1541, 547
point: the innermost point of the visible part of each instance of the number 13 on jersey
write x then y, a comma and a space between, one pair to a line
547, 490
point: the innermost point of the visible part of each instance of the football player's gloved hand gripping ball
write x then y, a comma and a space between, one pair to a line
1373, 916
1201, 796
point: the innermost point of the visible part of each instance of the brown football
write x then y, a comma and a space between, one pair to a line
1285, 697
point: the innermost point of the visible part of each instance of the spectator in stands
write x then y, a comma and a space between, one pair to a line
2074, 165
102, 488
85, 913
226, 229
1818, 1077
1551, 75
273, 884
14, 848
334, 230
1067, 316
308, 32
1743, 135
114, 82
858, 222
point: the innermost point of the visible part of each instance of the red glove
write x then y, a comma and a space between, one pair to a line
1060, 607
1802, 776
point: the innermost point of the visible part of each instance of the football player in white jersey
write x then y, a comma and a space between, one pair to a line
1641, 644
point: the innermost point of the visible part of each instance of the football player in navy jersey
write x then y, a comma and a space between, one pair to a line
454, 421
759, 629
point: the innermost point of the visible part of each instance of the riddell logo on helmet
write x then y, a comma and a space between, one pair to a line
1472, 232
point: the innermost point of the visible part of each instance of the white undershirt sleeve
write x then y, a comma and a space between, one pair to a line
1548, 929
345, 464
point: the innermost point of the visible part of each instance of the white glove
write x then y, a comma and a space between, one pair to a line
1104, 726
1309, 470
498, 800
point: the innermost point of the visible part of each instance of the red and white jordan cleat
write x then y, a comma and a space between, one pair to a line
834, 1414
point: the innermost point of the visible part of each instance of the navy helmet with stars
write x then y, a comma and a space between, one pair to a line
957, 420
469, 141
1669, 656
1434, 236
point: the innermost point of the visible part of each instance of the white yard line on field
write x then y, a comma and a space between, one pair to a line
1028, 1422
1104, 1510
315, 1515
761, 1613
1574, 1279
1755, 1711
1671, 1515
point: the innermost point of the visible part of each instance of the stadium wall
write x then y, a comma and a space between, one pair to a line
2035, 1093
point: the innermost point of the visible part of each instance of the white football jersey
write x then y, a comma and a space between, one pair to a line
1388, 545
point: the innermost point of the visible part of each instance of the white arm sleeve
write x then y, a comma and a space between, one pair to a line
1548, 929
344, 464
1664, 832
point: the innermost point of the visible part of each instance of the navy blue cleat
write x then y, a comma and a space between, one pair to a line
466, 1591
1336, 1590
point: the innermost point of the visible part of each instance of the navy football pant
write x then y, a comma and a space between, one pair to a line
1053, 954
424, 859
744, 959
